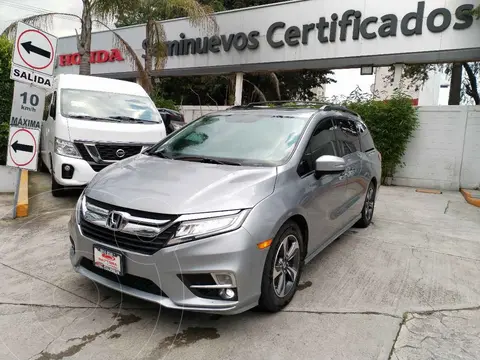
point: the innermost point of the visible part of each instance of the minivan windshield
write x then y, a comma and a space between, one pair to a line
107, 106
246, 138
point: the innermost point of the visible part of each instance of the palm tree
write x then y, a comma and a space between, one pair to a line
156, 54
105, 11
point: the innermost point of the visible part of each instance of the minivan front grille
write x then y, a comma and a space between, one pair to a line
114, 152
137, 233
131, 242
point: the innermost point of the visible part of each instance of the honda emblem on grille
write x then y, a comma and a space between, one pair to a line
120, 153
116, 220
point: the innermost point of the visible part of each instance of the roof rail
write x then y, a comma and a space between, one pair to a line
321, 105
339, 108
279, 103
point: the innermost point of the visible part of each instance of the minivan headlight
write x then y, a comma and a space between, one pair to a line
66, 148
199, 228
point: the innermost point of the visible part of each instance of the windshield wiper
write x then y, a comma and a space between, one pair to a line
131, 119
207, 160
89, 117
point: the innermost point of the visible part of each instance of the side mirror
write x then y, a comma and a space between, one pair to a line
328, 164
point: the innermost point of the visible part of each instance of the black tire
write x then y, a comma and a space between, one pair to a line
270, 301
41, 166
368, 207
57, 189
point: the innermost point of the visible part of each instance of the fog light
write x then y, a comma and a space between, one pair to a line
67, 171
227, 294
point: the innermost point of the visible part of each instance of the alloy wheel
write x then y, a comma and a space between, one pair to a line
286, 266
369, 203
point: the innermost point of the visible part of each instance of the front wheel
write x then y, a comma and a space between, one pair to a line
282, 269
368, 207
57, 189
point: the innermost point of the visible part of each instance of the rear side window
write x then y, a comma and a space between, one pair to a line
348, 135
366, 140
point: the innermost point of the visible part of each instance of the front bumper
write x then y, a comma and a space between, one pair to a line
82, 173
235, 252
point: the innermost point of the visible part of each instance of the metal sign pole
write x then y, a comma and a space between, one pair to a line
15, 196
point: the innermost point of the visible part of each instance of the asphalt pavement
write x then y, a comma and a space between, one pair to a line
405, 288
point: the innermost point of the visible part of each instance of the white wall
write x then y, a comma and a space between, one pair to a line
428, 93
8, 176
192, 112
445, 151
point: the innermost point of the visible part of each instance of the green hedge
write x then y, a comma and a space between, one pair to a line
391, 123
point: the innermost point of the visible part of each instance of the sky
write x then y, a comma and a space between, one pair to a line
11, 10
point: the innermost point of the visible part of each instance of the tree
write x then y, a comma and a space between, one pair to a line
6, 93
100, 11
151, 11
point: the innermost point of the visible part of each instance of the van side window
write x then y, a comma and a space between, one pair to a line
48, 100
321, 143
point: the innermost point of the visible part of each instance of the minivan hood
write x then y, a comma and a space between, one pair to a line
177, 187
106, 131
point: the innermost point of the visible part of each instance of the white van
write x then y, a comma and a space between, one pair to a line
92, 122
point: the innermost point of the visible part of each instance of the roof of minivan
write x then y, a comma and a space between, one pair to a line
294, 112
95, 83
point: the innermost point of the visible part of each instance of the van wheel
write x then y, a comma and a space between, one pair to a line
57, 189
283, 268
41, 166
368, 208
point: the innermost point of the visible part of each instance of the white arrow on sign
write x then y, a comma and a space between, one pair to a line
34, 49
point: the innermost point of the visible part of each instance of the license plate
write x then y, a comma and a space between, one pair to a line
108, 260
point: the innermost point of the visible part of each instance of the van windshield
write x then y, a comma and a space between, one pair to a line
246, 138
105, 106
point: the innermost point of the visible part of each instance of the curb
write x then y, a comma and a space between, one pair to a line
22, 203
469, 198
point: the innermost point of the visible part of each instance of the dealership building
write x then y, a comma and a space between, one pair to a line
310, 34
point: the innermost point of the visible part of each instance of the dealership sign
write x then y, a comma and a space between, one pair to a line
96, 57
337, 27
297, 34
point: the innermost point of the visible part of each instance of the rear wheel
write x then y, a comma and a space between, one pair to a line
282, 269
368, 207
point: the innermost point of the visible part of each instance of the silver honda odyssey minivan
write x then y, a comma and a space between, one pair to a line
222, 215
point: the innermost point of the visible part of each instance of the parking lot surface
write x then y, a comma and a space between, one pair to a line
405, 288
